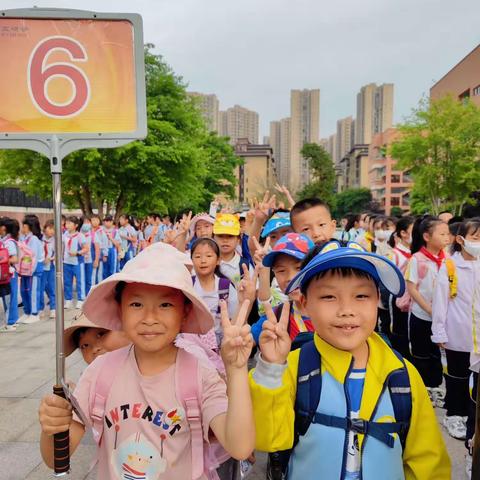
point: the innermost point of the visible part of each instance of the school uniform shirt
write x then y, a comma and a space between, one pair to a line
211, 299
10, 244
72, 243
87, 240
401, 256
125, 231
36, 245
456, 321
231, 269
425, 286
111, 233
99, 238
146, 434
49, 252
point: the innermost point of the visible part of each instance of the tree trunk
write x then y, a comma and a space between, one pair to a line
120, 204
87, 196
81, 203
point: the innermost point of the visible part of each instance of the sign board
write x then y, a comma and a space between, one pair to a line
73, 74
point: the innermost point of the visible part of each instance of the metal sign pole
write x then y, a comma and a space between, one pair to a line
61, 440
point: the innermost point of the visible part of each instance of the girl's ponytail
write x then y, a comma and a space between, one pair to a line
402, 225
422, 225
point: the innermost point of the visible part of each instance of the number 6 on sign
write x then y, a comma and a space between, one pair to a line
39, 76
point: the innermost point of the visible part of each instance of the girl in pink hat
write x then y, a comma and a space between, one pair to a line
152, 391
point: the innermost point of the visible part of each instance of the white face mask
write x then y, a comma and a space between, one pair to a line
472, 248
382, 234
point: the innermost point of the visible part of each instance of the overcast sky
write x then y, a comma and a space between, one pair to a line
252, 52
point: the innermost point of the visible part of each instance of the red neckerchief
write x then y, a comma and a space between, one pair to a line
406, 254
70, 240
438, 260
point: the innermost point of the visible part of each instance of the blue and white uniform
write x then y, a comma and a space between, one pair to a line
127, 246
48, 275
98, 238
111, 265
72, 244
30, 286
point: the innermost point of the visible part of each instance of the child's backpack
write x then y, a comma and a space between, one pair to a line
26, 260
206, 457
223, 288
5, 273
309, 389
405, 301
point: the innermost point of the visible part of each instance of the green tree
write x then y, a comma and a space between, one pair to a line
352, 200
440, 146
179, 165
396, 212
322, 173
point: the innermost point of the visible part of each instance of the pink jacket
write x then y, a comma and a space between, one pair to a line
456, 322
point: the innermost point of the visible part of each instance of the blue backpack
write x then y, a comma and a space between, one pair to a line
309, 388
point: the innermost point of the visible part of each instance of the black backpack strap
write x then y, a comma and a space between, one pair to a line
309, 387
401, 397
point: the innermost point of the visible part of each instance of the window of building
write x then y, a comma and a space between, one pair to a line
465, 95
395, 178
476, 91
398, 190
395, 201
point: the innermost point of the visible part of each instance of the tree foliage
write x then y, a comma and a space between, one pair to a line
352, 200
179, 165
440, 146
322, 173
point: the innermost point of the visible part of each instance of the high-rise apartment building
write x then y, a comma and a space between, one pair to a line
209, 107
344, 138
332, 146
374, 111
239, 122
280, 143
304, 128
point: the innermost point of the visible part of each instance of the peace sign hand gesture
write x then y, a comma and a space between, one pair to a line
247, 287
274, 340
260, 252
237, 341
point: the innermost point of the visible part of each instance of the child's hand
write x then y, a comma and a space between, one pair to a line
260, 252
247, 287
55, 414
274, 340
237, 341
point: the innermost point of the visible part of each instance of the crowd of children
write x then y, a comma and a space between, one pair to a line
356, 334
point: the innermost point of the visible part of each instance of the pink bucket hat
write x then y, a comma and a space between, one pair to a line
154, 266
200, 216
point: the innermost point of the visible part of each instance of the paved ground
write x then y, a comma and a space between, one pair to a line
27, 366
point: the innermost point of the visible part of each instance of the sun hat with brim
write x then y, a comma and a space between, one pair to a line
154, 266
382, 270
226, 224
80, 321
276, 222
292, 244
200, 216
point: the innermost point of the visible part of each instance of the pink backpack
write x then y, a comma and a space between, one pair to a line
26, 260
206, 457
405, 301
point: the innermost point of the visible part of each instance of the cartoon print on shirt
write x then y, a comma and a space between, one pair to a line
138, 459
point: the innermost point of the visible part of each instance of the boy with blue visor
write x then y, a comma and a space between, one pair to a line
349, 405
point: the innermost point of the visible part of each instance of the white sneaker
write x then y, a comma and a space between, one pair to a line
68, 304
79, 304
8, 328
455, 427
31, 319
437, 396
53, 314
23, 318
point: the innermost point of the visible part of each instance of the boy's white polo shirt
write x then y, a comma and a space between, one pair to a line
231, 269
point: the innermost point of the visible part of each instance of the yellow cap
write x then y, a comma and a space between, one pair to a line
226, 224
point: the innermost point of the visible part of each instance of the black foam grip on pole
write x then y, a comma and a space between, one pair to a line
61, 444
